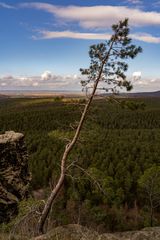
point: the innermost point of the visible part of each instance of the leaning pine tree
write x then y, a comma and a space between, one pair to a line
107, 67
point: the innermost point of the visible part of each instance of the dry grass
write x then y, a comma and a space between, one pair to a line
4, 236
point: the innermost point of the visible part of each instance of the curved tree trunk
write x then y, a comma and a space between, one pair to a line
69, 147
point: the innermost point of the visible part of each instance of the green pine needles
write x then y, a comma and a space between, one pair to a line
108, 60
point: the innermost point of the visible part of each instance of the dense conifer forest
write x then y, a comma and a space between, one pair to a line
116, 146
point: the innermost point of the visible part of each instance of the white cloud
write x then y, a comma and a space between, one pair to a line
134, 1
47, 75
46, 80
4, 5
145, 37
101, 36
147, 84
98, 16
75, 76
68, 82
3, 84
137, 76
153, 80
35, 84
70, 34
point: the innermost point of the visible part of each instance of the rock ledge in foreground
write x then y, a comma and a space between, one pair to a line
14, 173
77, 232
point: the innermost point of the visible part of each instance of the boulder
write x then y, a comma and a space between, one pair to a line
14, 174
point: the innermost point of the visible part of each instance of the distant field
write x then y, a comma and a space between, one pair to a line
40, 94
69, 94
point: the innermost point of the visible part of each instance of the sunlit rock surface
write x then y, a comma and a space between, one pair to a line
77, 232
14, 173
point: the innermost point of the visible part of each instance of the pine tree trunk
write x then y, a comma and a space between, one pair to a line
151, 217
68, 149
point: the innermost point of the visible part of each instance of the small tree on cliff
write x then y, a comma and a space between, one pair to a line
107, 66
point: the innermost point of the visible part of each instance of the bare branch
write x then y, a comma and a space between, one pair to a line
92, 178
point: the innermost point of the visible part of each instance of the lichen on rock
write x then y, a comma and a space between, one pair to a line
14, 173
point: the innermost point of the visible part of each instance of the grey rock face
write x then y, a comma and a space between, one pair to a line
77, 232
14, 173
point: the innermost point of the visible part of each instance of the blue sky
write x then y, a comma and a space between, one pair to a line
44, 43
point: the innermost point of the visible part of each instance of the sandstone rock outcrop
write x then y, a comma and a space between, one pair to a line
14, 173
77, 232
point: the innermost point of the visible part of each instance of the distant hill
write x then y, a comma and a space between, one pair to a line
144, 94
2, 96
136, 95
140, 95
31, 94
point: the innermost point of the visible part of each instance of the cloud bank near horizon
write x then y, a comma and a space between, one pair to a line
46, 80
49, 81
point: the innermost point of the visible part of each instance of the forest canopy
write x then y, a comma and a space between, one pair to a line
116, 146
